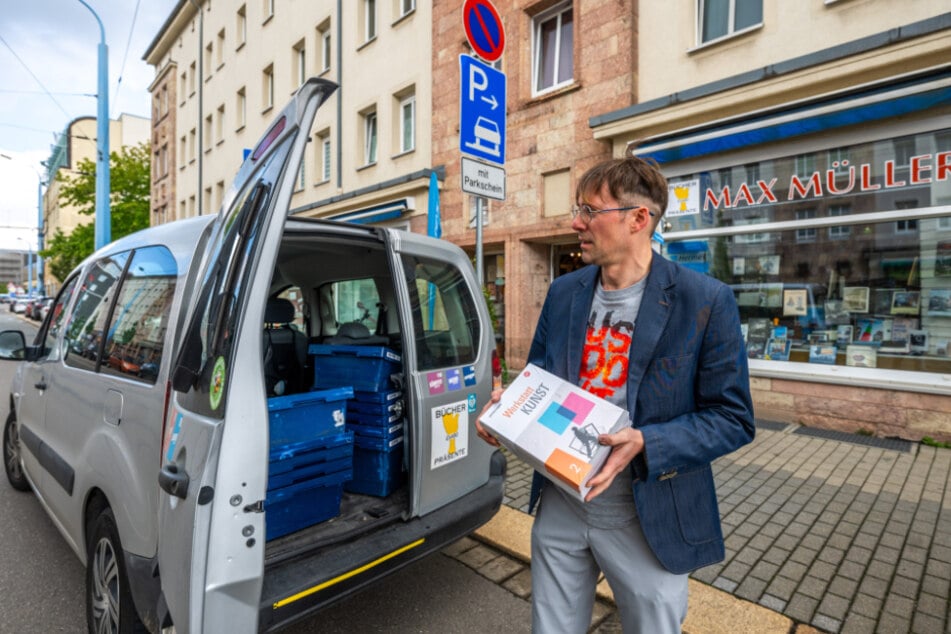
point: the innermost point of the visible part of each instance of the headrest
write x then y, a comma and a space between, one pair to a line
354, 330
279, 311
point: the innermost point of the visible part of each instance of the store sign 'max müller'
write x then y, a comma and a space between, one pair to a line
842, 178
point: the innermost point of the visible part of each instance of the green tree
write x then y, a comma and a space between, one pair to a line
129, 176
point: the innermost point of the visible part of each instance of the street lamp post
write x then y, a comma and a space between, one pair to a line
103, 227
29, 267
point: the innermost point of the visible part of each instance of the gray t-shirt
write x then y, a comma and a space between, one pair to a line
604, 371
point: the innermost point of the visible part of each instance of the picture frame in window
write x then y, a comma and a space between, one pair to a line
795, 302
836, 313
918, 340
906, 302
823, 353
861, 356
939, 302
855, 298
881, 301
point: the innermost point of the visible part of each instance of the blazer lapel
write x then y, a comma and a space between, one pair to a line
656, 307
578, 321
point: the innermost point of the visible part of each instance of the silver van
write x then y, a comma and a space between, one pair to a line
236, 420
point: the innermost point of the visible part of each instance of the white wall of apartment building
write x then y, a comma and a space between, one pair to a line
250, 60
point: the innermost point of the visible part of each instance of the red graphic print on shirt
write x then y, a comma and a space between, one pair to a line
605, 356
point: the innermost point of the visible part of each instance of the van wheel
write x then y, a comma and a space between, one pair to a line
11, 455
109, 605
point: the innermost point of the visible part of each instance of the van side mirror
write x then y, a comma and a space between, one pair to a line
12, 345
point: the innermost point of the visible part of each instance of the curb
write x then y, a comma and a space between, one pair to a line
710, 611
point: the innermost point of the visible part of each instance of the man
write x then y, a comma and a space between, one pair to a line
664, 343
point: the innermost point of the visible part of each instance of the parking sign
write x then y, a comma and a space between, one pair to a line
482, 110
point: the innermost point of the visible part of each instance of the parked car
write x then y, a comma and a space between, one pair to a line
299, 456
19, 305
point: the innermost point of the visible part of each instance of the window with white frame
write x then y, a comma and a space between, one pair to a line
369, 138
209, 60
841, 232
241, 26
324, 36
300, 62
369, 20
722, 18
407, 111
805, 235
553, 48
220, 125
220, 51
267, 87
268, 9
241, 108
323, 156
805, 164
208, 138
407, 7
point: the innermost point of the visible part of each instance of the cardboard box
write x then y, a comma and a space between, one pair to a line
554, 426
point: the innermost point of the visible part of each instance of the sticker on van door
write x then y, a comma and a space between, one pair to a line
450, 433
217, 387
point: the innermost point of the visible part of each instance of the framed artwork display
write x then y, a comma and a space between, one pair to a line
795, 301
939, 302
906, 302
855, 299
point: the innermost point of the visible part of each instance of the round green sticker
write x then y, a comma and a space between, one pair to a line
217, 387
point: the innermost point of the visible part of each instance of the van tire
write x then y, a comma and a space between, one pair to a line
11, 455
109, 604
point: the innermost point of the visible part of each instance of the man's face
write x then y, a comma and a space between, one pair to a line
606, 238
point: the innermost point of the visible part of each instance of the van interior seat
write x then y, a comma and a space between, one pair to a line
285, 349
354, 333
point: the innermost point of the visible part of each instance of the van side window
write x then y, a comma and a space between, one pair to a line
87, 322
134, 340
51, 335
353, 301
445, 319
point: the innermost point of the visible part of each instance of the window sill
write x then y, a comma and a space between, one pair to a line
555, 93
325, 71
239, 47
239, 128
267, 109
724, 38
403, 153
367, 43
404, 17
323, 182
366, 166
267, 19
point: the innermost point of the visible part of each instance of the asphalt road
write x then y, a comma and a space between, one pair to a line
42, 582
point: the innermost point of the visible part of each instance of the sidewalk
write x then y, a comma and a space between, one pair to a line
825, 532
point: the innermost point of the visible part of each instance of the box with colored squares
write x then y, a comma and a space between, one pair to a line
554, 426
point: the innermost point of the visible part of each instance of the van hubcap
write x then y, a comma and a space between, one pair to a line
105, 588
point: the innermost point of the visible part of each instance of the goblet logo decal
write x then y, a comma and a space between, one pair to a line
682, 193
450, 422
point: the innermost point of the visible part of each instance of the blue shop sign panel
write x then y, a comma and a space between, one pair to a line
482, 110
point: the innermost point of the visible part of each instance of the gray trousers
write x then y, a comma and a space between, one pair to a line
568, 554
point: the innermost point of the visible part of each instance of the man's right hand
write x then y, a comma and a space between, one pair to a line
482, 431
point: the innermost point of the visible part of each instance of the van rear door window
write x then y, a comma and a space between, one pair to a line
445, 320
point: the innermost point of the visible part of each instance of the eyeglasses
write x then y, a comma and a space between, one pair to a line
587, 212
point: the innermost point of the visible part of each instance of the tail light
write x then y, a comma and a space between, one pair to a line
496, 371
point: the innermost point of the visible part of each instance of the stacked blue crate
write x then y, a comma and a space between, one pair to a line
374, 413
311, 457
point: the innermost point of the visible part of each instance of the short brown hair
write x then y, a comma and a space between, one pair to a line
625, 178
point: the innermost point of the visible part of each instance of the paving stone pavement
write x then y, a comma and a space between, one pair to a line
839, 532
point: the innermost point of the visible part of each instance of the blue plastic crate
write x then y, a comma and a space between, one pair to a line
284, 458
387, 432
296, 507
302, 417
377, 466
359, 418
364, 368
383, 396
369, 408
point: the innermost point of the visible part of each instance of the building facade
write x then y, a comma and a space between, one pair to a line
223, 73
816, 180
76, 143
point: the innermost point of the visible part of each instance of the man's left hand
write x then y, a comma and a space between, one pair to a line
626, 444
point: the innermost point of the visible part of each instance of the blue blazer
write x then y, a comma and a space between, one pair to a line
689, 383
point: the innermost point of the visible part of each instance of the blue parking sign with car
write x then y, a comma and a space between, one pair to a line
482, 110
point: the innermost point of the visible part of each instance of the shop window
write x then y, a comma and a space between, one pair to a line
848, 268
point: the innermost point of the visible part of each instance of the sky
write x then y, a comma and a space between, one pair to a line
48, 77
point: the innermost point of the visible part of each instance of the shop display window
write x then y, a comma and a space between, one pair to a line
846, 264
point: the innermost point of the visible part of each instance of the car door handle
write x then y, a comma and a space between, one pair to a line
40, 386
173, 481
